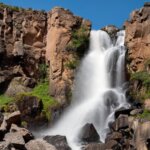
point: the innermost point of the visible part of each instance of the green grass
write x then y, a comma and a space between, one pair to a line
41, 91
4, 100
145, 114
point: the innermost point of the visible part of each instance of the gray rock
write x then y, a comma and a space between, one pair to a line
5, 145
39, 144
89, 133
136, 112
13, 118
122, 122
95, 146
1, 118
114, 136
112, 144
60, 142
15, 139
26, 134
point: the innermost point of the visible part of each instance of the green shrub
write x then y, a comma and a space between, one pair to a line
142, 76
72, 64
43, 70
79, 38
15, 8
145, 114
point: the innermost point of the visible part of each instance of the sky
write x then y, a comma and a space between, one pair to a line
99, 12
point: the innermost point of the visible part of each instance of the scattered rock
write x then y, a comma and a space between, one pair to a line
112, 144
89, 133
39, 145
95, 146
114, 136
136, 112
5, 146
1, 118
15, 139
122, 122
26, 134
122, 111
13, 118
60, 142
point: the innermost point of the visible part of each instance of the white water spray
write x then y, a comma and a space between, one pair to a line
98, 89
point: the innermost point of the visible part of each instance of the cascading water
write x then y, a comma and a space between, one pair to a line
98, 89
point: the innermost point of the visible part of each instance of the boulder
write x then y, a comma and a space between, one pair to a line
89, 133
112, 144
13, 118
26, 134
5, 146
112, 31
114, 136
16, 140
39, 144
122, 111
19, 85
122, 122
1, 118
136, 112
3, 129
60, 142
31, 108
95, 146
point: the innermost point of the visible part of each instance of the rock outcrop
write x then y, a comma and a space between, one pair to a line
37, 46
138, 55
67, 37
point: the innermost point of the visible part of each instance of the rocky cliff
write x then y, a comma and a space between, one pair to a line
39, 53
138, 54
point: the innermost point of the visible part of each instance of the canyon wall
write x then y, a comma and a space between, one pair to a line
38, 48
25, 37
138, 55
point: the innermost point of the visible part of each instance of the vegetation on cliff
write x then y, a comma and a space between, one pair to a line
79, 40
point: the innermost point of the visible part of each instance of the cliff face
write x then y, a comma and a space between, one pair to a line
67, 36
138, 56
22, 44
25, 37
37, 46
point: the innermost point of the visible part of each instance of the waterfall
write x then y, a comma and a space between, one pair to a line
99, 89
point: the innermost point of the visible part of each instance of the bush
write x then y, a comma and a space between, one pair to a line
42, 71
72, 64
79, 39
142, 76
15, 8
145, 115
